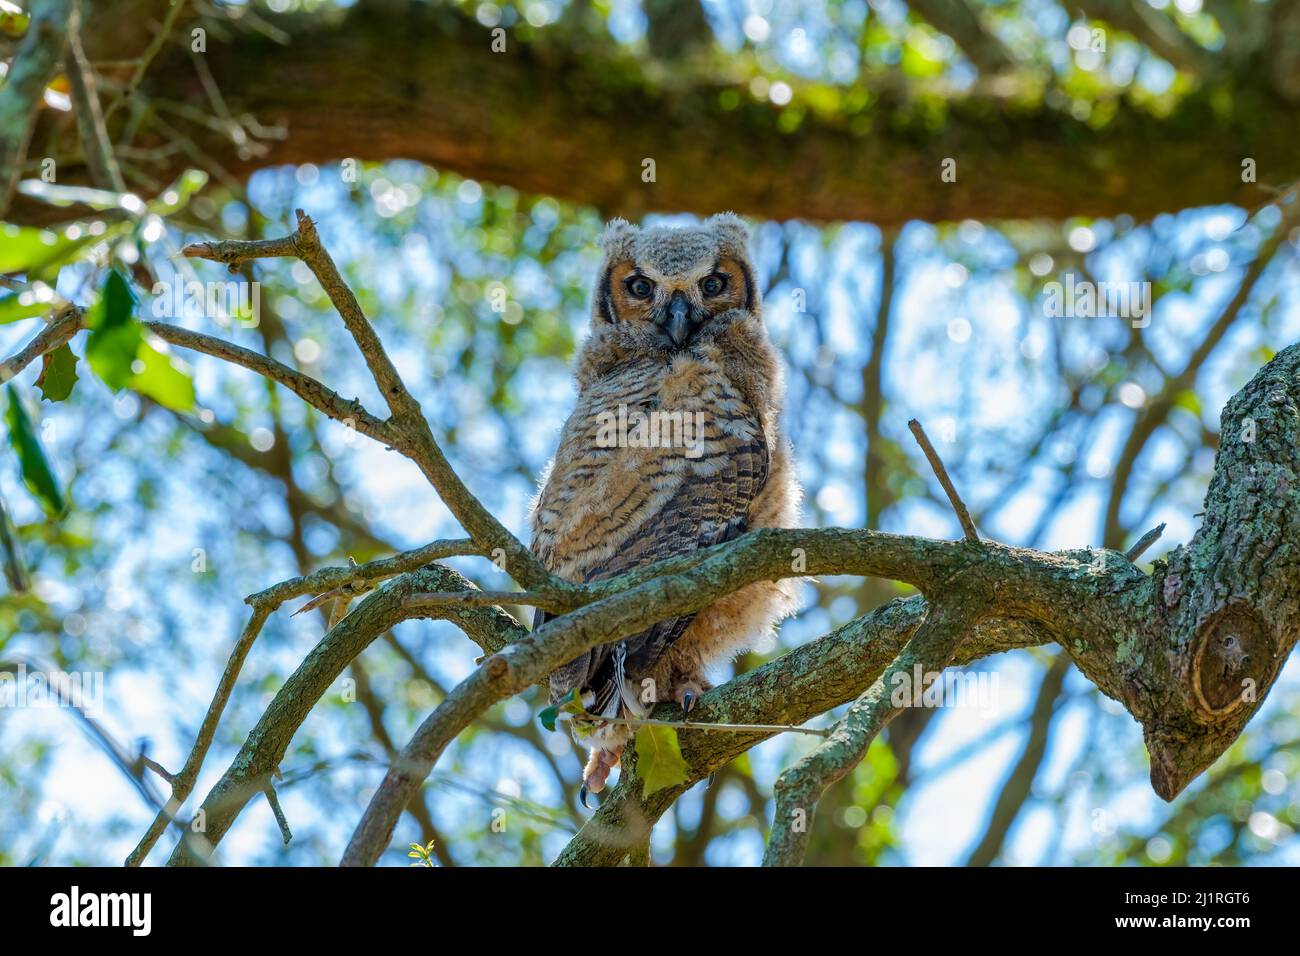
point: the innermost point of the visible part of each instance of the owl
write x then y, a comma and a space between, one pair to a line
674, 444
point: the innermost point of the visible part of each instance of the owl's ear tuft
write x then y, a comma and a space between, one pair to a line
617, 238
730, 226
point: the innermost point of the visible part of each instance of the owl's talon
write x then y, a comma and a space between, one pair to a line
583, 793
688, 695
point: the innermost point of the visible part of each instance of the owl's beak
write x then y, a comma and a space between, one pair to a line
676, 320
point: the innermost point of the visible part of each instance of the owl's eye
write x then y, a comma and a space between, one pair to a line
714, 284
639, 287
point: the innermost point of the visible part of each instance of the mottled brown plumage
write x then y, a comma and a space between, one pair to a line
674, 445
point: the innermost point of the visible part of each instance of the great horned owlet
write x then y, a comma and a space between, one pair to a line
674, 445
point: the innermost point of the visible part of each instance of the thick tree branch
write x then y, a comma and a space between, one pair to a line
1170, 646
397, 79
930, 650
808, 681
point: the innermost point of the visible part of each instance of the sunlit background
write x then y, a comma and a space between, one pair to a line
174, 515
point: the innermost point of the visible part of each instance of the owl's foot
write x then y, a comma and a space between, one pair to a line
597, 771
687, 693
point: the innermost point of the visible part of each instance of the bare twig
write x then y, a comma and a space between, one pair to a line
157, 768
280, 819
266, 744
104, 171
264, 603
142, 65
710, 726
1144, 542
963, 516
350, 412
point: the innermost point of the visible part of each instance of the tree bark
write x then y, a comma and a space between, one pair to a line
393, 79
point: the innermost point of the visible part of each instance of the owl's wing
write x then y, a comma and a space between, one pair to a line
708, 505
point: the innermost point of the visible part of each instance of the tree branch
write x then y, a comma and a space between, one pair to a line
267, 743
348, 411
1154, 30
335, 93
809, 680
104, 171
407, 429
66, 322
960, 20
29, 74
799, 787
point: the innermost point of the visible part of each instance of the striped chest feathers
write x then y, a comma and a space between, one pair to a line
636, 438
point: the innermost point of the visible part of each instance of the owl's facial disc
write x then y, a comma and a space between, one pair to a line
678, 305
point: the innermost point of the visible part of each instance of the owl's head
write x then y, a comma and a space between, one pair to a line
668, 288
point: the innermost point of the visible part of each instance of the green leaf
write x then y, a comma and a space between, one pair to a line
11, 553
58, 372
121, 356
24, 247
115, 337
161, 380
13, 22
12, 309
41, 252
659, 761
1188, 399
570, 705
548, 716
36, 471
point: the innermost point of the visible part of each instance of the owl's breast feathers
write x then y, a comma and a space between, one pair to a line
659, 458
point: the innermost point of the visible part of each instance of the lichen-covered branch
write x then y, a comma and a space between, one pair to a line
800, 786
1174, 647
1017, 157
264, 603
808, 681
266, 744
